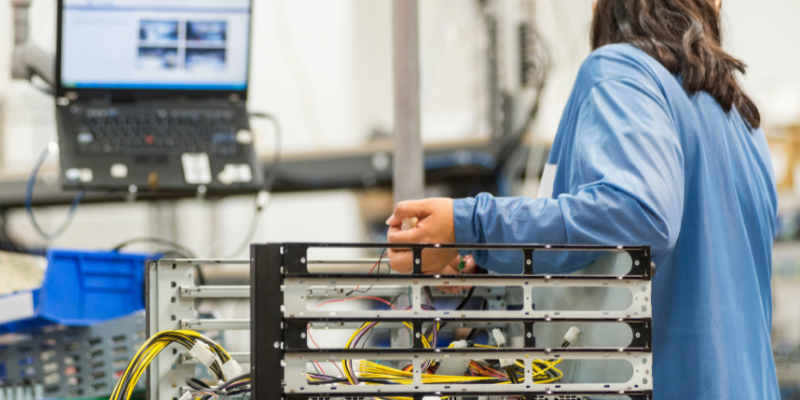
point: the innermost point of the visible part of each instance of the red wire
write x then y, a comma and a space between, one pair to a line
486, 371
320, 367
337, 367
308, 329
356, 298
373, 268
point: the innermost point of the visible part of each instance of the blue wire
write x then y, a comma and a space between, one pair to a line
29, 204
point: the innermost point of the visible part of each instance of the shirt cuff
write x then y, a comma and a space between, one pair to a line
463, 225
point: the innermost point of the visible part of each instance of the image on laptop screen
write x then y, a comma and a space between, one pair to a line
155, 44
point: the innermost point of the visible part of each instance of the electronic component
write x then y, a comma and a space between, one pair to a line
280, 353
291, 308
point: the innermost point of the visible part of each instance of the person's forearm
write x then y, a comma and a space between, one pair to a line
599, 216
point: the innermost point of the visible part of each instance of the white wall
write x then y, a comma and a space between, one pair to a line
764, 34
324, 68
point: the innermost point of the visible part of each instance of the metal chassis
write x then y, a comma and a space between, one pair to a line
279, 352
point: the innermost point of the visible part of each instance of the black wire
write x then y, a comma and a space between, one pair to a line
380, 260
196, 384
29, 204
276, 161
430, 297
7, 243
472, 332
173, 248
156, 240
366, 339
459, 307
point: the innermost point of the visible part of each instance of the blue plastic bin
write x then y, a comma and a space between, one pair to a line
80, 288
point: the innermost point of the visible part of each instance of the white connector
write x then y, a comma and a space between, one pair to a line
507, 362
202, 353
501, 341
461, 344
409, 223
53, 148
231, 369
186, 395
262, 200
499, 337
572, 335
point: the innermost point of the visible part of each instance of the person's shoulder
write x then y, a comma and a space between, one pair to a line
620, 61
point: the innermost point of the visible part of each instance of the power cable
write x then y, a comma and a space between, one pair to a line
263, 198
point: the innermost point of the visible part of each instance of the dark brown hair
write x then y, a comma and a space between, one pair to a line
684, 36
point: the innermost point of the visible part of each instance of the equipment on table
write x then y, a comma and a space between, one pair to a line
80, 288
151, 96
401, 335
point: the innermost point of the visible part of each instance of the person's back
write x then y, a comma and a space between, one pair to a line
711, 295
658, 145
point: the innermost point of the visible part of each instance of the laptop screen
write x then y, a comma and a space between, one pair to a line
155, 44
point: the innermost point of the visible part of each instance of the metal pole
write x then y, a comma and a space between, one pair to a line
409, 178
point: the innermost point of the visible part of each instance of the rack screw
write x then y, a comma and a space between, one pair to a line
638, 335
303, 335
303, 260
529, 335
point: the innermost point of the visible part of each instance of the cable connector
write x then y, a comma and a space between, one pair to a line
461, 344
499, 337
571, 336
186, 395
507, 362
202, 353
53, 148
409, 223
262, 200
231, 369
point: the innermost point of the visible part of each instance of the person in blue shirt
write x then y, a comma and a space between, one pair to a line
659, 146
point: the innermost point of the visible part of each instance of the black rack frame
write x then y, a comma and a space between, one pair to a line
273, 335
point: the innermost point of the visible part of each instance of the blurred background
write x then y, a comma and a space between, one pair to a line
495, 77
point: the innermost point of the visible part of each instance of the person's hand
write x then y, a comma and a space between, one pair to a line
452, 269
434, 225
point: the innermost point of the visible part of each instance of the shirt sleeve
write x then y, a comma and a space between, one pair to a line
625, 184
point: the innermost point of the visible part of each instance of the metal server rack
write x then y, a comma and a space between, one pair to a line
279, 319
171, 297
171, 304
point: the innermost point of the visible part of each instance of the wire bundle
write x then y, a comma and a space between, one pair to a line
154, 346
233, 387
478, 372
428, 341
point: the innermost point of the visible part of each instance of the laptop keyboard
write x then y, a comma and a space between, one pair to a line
158, 132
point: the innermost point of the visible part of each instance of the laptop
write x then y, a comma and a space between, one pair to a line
151, 95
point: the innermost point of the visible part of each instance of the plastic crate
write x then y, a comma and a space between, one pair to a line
80, 288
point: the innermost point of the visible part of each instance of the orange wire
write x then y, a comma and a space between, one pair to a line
373, 268
308, 329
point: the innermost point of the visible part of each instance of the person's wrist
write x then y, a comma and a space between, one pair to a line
462, 223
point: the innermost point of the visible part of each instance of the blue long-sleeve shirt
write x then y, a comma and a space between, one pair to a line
639, 161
